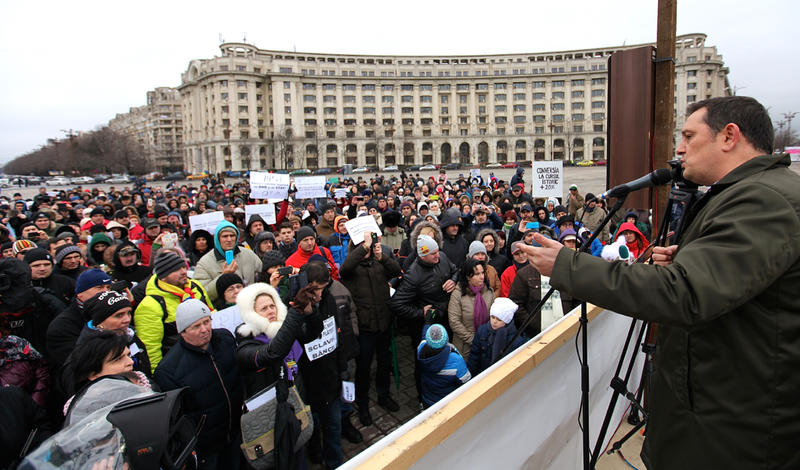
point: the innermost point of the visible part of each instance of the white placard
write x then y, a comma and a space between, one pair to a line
207, 222
348, 391
309, 187
227, 318
263, 397
340, 192
272, 186
326, 343
548, 177
474, 173
266, 211
359, 225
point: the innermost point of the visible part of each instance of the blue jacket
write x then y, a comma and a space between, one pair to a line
338, 245
483, 345
442, 373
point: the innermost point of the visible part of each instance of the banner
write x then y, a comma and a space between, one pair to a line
207, 222
310, 187
266, 211
272, 186
548, 177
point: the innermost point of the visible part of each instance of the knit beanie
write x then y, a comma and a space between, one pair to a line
65, 250
167, 263
100, 238
103, 305
37, 254
436, 336
272, 258
97, 211
23, 244
426, 246
91, 278
188, 312
476, 247
227, 280
305, 232
503, 309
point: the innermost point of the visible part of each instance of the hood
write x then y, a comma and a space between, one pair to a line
255, 324
15, 280
99, 238
255, 218
263, 235
436, 362
220, 227
200, 234
483, 232
437, 233
450, 218
115, 259
336, 222
629, 226
115, 224
520, 171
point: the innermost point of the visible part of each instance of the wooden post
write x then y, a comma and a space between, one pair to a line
663, 148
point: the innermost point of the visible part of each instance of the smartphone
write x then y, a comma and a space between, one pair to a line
228, 256
285, 271
532, 225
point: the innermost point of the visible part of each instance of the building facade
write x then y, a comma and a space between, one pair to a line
260, 109
158, 127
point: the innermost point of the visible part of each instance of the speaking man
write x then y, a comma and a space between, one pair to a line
725, 386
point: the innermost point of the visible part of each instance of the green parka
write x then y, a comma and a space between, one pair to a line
726, 390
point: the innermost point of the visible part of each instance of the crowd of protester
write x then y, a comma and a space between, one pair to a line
115, 285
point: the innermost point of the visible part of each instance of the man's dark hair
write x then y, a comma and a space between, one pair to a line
285, 224
747, 113
90, 354
318, 272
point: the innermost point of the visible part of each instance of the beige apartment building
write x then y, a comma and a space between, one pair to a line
158, 127
261, 109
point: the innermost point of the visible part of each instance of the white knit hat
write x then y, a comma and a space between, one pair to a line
503, 308
426, 246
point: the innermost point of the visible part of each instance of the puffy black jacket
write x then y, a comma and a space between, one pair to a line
136, 273
368, 282
421, 286
62, 287
215, 386
526, 291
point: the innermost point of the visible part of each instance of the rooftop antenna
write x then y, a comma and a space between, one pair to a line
244, 38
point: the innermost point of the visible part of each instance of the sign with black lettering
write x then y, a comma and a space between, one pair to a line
326, 343
548, 179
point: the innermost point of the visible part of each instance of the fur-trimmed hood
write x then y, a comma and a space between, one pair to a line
255, 324
491, 232
437, 233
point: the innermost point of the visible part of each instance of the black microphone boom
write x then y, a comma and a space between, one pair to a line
656, 178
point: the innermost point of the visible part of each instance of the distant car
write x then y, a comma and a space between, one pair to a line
5, 182
58, 181
120, 179
413, 168
494, 165
585, 163
601, 162
361, 169
322, 171
509, 165
197, 176
16, 181
100, 178
34, 180
427, 167
452, 166
301, 171
82, 180
390, 168
174, 176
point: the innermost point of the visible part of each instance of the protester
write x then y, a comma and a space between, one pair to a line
213, 264
494, 336
442, 368
469, 303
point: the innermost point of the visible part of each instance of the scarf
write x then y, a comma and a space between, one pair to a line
480, 312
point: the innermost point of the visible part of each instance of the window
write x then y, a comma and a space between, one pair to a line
519, 130
501, 131
481, 98
330, 122
223, 68
310, 110
244, 83
223, 83
598, 81
538, 84
369, 110
577, 117
367, 87
558, 118
348, 87
285, 70
286, 97
226, 122
598, 93
558, 83
557, 95
387, 87
690, 73
365, 99
538, 107
598, 104
691, 86
445, 120
500, 108
519, 119
463, 98
406, 99
500, 97
462, 87
243, 109
223, 96
444, 87
481, 109
444, 110
598, 116
577, 128
242, 96
538, 96
329, 99
244, 122
597, 127
482, 86
538, 118
309, 98
578, 82
462, 110
329, 110
407, 110
426, 99
519, 96
577, 105
538, 130
426, 110
577, 93
387, 99
387, 110
406, 87
225, 109
558, 106
519, 85
691, 98
349, 110
519, 108
499, 86
309, 86
691, 59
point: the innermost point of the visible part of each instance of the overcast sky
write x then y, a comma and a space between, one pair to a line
74, 65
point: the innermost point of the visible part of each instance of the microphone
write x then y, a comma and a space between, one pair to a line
656, 178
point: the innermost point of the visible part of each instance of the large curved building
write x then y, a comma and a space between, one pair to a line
251, 108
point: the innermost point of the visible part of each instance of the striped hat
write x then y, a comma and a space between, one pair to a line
21, 245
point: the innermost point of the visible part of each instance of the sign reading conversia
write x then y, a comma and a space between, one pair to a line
548, 178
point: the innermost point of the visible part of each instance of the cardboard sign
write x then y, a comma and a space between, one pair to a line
310, 187
548, 177
207, 222
359, 225
266, 211
272, 186
326, 343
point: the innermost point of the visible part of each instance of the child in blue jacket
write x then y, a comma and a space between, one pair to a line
493, 336
442, 369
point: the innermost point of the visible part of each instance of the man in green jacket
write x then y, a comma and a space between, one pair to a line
726, 383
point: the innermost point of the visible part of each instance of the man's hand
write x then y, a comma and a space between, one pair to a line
367, 240
275, 278
377, 251
542, 258
662, 255
230, 268
448, 286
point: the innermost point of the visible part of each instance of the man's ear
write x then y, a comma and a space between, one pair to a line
731, 136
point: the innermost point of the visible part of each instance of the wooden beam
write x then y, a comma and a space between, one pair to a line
663, 148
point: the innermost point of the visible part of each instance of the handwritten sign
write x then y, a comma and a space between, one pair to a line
326, 343
266, 211
548, 178
309, 187
474, 173
272, 186
348, 391
340, 192
359, 225
207, 222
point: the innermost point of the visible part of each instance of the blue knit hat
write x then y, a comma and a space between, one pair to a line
436, 336
91, 278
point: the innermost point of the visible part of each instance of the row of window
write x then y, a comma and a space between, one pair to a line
447, 86
462, 98
447, 73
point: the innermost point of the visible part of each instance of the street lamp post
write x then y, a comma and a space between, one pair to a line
551, 126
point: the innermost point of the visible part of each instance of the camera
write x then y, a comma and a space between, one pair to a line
285, 271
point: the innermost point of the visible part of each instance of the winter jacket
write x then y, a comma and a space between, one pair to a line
493, 222
248, 238
574, 203
57, 284
145, 245
300, 258
519, 176
338, 245
526, 292
488, 344
421, 286
155, 324
456, 247
192, 254
592, 220
209, 268
393, 240
639, 245
441, 371
410, 245
368, 282
136, 273
724, 392
324, 229
23, 366
63, 332
215, 386
460, 312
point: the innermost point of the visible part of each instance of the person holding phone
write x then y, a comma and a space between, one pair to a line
226, 258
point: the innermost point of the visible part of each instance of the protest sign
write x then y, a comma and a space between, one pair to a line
548, 178
309, 187
207, 222
359, 225
266, 211
272, 186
